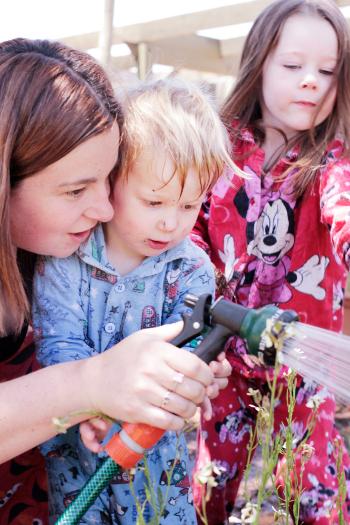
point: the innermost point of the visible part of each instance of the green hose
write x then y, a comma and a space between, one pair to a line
91, 490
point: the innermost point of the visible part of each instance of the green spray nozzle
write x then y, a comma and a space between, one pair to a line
227, 319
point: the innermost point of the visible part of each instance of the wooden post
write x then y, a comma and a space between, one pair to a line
142, 60
106, 34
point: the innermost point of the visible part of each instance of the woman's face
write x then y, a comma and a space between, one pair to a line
53, 211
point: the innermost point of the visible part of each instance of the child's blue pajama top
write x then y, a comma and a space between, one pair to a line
82, 307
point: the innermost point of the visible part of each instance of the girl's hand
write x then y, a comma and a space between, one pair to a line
92, 432
144, 379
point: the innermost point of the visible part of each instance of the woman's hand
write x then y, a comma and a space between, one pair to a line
95, 430
144, 379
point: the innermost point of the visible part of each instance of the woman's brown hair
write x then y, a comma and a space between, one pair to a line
52, 98
244, 102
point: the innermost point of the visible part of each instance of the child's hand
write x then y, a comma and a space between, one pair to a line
206, 409
221, 370
92, 432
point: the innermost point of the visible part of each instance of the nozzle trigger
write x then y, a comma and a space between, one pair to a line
194, 322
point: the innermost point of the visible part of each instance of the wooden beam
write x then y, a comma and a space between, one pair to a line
190, 52
120, 63
190, 23
232, 46
173, 42
175, 26
83, 42
179, 26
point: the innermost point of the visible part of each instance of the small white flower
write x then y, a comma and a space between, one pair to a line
248, 514
315, 401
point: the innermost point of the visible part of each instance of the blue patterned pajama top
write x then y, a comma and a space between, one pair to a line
82, 307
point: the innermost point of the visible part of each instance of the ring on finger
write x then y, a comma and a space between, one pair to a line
178, 379
166, 399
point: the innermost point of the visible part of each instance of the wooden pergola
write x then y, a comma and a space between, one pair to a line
175, 41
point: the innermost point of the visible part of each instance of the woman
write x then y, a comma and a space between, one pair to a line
59, 134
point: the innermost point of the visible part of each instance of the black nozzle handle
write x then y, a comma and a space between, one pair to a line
194, 322
213, 343
200, 318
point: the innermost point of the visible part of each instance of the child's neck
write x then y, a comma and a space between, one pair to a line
273, 146
123, 263
119, 255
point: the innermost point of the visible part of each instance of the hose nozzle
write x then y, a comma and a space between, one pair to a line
261, 328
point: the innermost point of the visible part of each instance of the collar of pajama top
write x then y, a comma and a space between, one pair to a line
94, 253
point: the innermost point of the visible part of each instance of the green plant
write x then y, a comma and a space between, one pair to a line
153, 496
282, 448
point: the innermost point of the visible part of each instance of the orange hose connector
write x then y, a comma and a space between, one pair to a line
128, 446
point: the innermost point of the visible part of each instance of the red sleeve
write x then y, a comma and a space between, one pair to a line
335, 206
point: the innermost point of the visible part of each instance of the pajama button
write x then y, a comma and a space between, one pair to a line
109, 328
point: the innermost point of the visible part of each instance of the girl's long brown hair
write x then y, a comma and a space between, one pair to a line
244, 102
52, 98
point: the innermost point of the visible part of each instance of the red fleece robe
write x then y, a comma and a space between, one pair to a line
270, 248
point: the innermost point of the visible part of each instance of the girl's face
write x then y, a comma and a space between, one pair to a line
298, 74
152, 214
53, 211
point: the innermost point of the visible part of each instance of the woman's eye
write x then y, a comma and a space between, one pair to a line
75, 193
154, 203
189, 206
291, 66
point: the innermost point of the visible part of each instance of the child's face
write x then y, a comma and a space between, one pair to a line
151, 213
298, 73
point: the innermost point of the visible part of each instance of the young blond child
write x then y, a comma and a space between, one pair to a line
134, 272
283, 235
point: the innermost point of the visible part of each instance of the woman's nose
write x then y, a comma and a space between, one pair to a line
104, 211
101, 208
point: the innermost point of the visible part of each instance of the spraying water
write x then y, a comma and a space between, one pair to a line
319, 355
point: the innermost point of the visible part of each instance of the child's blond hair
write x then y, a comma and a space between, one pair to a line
179, 117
